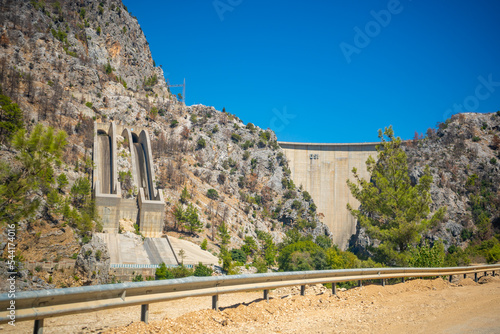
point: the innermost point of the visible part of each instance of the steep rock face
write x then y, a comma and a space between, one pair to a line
92, 263
243, 164
465, 166
464, 157
68, 63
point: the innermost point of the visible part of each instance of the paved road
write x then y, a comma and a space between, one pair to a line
105, 166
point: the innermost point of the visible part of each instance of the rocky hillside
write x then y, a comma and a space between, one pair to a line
464, 156
70, 63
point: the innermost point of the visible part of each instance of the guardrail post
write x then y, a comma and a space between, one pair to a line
383, 281
450, 278
334, 288
404, 279
266, 295
302, 290
475, 277
38, 328
145, 313
493, 273
215, 302
465, 276
360, 283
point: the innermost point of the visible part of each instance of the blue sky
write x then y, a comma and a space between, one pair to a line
330, 71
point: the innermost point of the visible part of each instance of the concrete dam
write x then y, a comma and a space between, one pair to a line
323, 169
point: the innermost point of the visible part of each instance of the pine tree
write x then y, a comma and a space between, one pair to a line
193, 222
392, 210
11, 118
184, 195
37, 153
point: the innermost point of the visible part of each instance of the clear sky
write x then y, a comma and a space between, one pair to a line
330, 71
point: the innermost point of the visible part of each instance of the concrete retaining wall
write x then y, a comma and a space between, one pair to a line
129, 210
323, 170
151, 216
49, 265
127, 274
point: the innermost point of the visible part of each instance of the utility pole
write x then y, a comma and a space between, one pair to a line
183, 89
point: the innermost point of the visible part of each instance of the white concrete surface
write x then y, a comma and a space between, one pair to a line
323, 170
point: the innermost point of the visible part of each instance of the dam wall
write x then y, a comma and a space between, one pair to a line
323, 169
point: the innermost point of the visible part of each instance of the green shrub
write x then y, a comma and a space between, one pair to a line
202, 270
493, 255
59, 35
250, 126
98, 255
247, 144
493, 161
476, 139
238, 255
174, 123
89, 105
323, 241
253, 163
212, 194
108, 69
296, 205
162, 272
261, 265
426, 256
193, 118
265, 135
235, 137
201, 143
138, 278
151, 81
306, 196
204, 244
246, 155
312, 207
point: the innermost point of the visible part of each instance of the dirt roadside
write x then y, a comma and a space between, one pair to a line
417, 306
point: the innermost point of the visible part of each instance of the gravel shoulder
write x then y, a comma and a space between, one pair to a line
417, 306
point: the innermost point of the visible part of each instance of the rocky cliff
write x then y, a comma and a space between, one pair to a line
464, 156
70, 63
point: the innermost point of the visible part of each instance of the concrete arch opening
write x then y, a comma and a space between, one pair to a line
135, 137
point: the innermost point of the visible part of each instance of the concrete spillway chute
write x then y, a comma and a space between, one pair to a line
147, 209
107, 190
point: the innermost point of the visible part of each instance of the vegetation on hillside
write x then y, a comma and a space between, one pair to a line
392, 210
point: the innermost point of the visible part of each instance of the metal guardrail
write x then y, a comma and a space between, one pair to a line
38, 305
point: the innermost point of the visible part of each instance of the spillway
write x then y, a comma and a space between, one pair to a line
142, 170
105, 165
